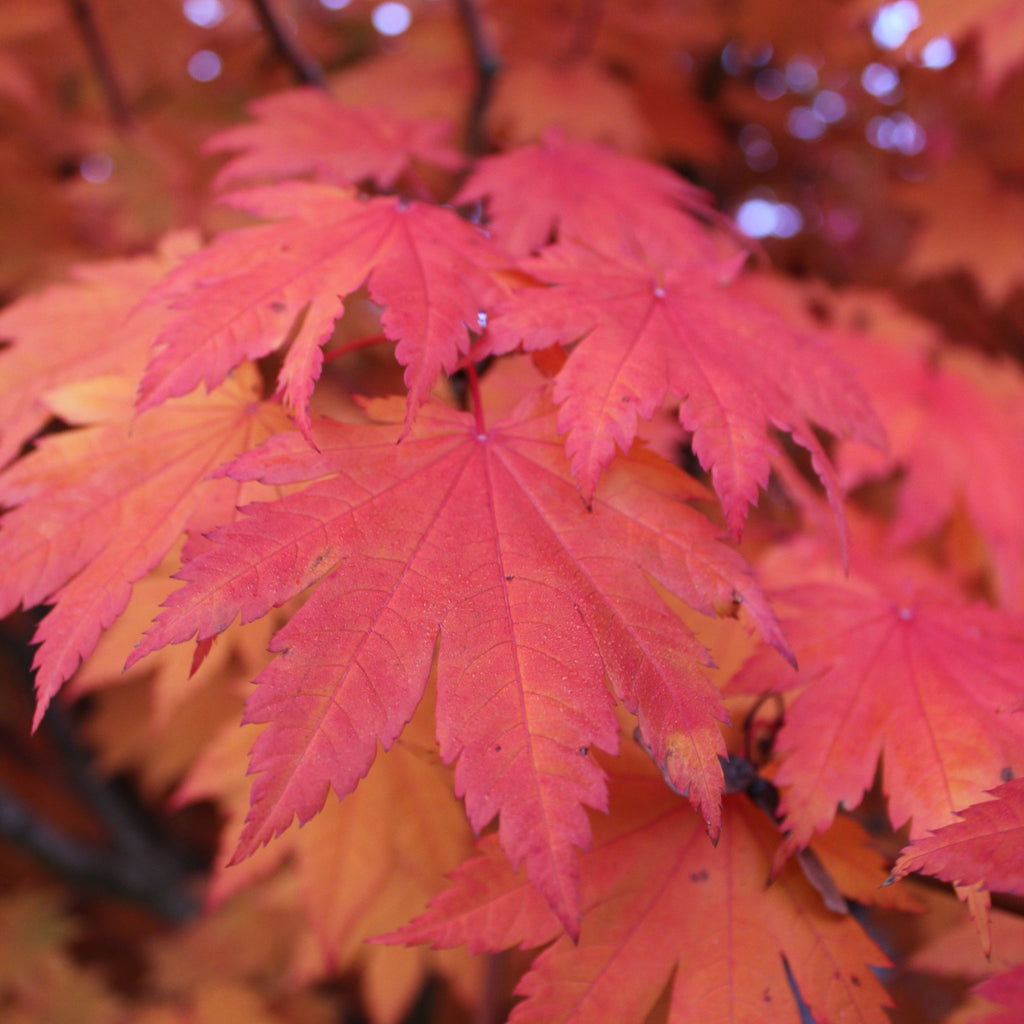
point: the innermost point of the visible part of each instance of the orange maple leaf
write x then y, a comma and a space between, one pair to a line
94, 509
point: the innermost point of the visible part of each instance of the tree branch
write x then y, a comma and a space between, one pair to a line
119, 110
487, 65
147, 875
307, 70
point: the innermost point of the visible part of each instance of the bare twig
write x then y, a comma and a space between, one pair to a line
487, 65
307, 70
119, 110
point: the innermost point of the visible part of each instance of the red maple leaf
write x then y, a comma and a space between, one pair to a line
477, 543
254, 289
984, 846
659, 898
1007, 989
648, 326
893, 665
306, 131
582, 190
94, 509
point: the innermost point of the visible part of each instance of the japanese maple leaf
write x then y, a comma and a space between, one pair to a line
254, 289
359, 864
646, 330
893, 664
659, 899
94, 509
983, 846
83, 329
306, 131
955, 422
581, 190
1006, 989
476, 543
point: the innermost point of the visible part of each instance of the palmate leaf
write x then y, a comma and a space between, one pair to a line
478, 544
658, 899
582, 190
94, 509
893, 665
254, 289
306, 131
649, 326
984, 846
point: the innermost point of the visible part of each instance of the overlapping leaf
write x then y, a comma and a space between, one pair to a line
659, 898
955, 421
306, 131
652, 328
983, 846
84, 329
893, 665
255, 289
581, 190
360, 865
94, 509
480, 538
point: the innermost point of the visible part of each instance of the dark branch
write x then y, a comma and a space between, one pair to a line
119, 110
487, 65
147, 876
307, 71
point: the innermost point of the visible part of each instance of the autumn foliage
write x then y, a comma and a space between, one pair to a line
518, 509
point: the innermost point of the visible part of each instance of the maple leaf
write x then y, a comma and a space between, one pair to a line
306, 131
253, 289
581, 190
983, 846
955, 426
895, 665
1007, 989
481, 538
89, 327
651, 885
359, 864
651, 327
94, 509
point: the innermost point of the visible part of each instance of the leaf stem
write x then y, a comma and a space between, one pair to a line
307, 70
354, 346
478, 407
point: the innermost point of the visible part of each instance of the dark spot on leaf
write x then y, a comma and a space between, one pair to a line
1006, 774
855, 981
699, 876
277, 307
497, 748
583, 751
510, 577
766, 995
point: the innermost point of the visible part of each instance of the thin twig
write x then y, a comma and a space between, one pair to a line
487, 65
120, 112
307, 70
